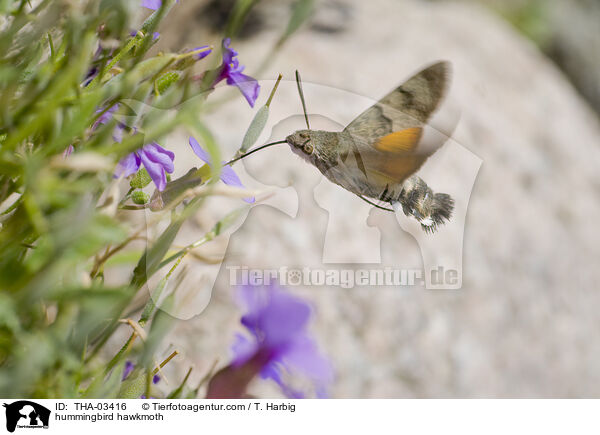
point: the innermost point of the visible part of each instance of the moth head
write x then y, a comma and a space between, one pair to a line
301, 142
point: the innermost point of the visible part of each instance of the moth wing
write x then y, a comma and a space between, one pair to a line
399, 142
387, 137
409, 105
390, 168
398, 155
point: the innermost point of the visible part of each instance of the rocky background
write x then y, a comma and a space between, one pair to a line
525, 78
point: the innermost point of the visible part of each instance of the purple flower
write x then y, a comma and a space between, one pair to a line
105, 117
277, 322
202, 54
155, 159
68, 150
94, 70
232, 71
129, 366
228, 176
152, 4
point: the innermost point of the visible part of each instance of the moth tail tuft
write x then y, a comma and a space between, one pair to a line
419, 201
443, 204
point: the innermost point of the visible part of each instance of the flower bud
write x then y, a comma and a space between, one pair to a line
141, 179
140, 197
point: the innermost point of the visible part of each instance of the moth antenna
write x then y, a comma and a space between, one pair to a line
299, 83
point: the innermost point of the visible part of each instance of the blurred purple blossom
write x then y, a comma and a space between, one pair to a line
277, 322
228, 176
231, 70
129, 366
94, 69
105, 117
202, 54
152, 4
155, 159
68, 150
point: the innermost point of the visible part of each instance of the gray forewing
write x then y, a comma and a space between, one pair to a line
409, 105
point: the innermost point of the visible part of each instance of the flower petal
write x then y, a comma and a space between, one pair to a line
68, 150
248, 86
199, 151
128, 165
283, 318
155, 170
117, 133
278, 321
232, 71
273, 314
151, 4
228, 53
129, 366
106, 116
229, 177
159, 155
253, 299
243, 349
202, 54
303, 355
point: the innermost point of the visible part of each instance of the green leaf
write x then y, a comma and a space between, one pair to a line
134, 386
255, 129
302, 9
176, 393
238, 16
165, 81
152, 257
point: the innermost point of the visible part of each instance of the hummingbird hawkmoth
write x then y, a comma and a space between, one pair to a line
377, 155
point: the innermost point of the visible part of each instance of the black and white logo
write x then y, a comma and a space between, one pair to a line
25, 414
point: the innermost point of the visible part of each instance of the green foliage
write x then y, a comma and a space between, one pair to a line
59, 226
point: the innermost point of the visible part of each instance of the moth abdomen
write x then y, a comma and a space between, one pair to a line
429, 208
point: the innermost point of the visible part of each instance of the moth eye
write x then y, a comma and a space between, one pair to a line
308, 148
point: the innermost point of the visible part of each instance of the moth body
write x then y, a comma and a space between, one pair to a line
378, 154
336, 155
